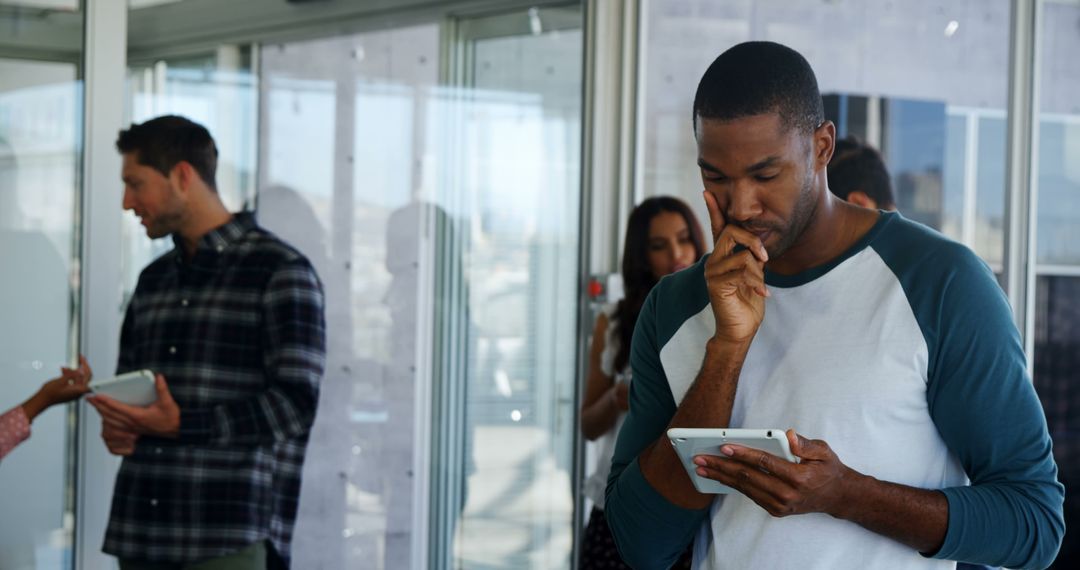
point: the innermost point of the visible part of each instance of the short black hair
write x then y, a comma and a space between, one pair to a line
162, 142
754, 78
856, 166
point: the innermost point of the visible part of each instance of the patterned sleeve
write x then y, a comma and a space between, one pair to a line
14, 429
294, 356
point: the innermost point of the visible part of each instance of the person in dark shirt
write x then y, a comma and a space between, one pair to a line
232, 322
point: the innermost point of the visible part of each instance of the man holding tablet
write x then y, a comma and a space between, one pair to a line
888, 348
231, 322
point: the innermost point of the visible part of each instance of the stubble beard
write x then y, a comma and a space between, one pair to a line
800, 218
164, 224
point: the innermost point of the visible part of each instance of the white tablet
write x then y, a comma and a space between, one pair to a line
134, 388
691, 442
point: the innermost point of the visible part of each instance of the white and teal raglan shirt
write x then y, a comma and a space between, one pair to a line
902, 355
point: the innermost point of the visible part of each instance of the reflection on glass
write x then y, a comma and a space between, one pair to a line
342, 133
953, 179
913, 146
448, 220
39, 139
1057, 293
990, 186
520, 131
1057, 358
1058, 180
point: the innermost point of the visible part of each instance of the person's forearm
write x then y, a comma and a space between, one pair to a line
707, 403
599, 417
918, 518
34, 406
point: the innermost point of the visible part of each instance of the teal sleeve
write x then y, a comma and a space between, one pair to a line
649, 530
984, 405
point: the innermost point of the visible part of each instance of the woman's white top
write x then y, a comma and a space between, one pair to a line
596, 483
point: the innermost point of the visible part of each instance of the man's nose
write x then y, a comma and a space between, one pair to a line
743, 204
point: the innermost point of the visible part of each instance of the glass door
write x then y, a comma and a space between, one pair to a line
1057, 268
509, 127
431, 174
343, 156
40, 129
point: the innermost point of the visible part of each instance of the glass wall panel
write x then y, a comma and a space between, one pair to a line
1057, 294
1058, 181
925, 81
443, 222
40, 129
445, 219
1057, 356
520, 142
342, 135
990, 187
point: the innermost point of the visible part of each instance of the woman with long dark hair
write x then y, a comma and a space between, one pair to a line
662, 237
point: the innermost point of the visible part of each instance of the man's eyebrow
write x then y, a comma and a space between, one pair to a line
762, 165
706, 166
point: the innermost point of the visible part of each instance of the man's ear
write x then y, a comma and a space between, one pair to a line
182, 175
861, 199
824, 144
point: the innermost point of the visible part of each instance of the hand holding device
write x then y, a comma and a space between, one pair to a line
159, 417
134, 388
691, 442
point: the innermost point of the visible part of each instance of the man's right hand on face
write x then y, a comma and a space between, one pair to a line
735, 278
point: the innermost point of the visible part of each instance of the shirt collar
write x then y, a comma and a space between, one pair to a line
221, 237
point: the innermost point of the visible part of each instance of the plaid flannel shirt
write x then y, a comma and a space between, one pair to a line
239, 334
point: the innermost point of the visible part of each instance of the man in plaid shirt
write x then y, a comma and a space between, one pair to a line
231, 321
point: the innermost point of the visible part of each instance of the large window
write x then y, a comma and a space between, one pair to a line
924, 81
431, 175
519, 139
443, 219
1057, 293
